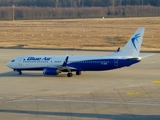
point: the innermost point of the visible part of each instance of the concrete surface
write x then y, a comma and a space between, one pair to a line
124, 94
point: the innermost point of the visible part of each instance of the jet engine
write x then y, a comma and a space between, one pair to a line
51, 71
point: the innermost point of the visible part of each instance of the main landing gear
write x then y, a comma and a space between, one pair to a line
70, 74
78, 73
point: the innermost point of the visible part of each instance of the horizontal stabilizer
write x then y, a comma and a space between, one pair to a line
147, 56
138, 58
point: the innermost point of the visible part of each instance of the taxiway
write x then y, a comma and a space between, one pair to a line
131, 93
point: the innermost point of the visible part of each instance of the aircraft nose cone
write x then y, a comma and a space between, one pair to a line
8, 64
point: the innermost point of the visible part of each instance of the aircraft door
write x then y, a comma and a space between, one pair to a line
51, 60
116, 62
20, 62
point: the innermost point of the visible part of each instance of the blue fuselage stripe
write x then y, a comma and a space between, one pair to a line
95, 65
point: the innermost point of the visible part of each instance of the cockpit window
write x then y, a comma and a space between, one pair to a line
13, 61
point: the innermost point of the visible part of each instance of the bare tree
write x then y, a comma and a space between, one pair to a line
120, 2
79, 3
113, 2
142, 2
71, 3
57, 1
82, 3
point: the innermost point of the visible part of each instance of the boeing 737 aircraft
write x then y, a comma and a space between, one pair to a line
55, 64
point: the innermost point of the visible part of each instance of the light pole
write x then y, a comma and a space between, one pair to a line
13, 11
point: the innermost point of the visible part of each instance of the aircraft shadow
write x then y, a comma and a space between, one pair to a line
26, 74
86, 115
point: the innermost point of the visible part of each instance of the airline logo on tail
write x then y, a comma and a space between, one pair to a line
135, 38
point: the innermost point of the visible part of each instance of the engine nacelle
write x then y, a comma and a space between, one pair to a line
50, 71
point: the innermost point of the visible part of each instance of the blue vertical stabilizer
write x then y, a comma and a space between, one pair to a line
132, 48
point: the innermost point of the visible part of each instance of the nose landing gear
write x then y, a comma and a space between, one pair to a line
20, 73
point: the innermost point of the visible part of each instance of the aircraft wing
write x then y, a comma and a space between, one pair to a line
61, 68
64, 66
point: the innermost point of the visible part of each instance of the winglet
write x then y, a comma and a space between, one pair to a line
65, 61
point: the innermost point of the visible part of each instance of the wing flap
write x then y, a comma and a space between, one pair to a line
66, 68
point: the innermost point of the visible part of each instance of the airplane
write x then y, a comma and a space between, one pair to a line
56, 64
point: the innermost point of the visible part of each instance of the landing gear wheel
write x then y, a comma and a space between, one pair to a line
69, 74
78, 73
20, 73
